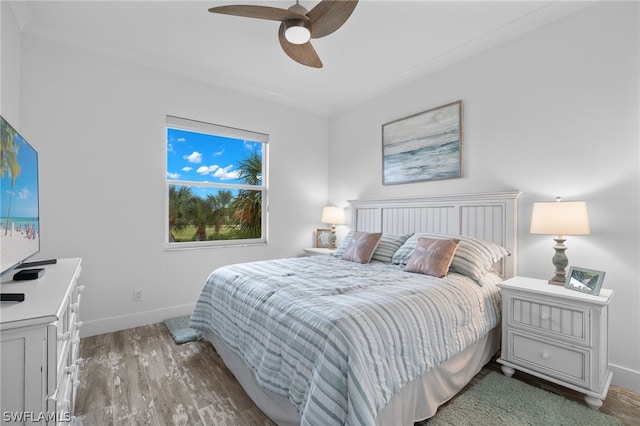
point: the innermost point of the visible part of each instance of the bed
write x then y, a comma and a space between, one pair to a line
323, 340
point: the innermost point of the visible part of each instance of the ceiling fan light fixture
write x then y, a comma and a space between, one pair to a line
297, 31
298, 25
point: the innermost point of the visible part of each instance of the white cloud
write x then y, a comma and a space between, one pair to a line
205, 170
173, 175
219, 153
187, 168
24, 193
194, 157
224, 173
181, 139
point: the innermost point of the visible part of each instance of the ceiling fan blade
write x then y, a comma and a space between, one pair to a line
329, 15
260, 12
304, 54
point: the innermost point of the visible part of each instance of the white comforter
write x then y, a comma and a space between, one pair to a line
339, 339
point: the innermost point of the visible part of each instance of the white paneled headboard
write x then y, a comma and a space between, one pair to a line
489, 216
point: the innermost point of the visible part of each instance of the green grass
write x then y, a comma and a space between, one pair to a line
187, 233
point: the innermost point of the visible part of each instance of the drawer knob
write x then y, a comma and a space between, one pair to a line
544, 355
64, 336
70, 369
79, 361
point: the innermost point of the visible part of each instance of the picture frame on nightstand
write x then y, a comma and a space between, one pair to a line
323, 238
584, 280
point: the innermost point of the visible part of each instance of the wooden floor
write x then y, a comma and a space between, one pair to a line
141, 377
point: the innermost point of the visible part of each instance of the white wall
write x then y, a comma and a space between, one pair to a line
99, 126
553, 112
9, 66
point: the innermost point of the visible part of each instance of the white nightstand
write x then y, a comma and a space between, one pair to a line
314, 251
557, 334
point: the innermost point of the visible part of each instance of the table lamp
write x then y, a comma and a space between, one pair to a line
332, 215
560, 218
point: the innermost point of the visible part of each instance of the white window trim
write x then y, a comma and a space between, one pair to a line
226, 131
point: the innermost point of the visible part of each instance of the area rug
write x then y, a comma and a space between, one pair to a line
500, 400
180, 330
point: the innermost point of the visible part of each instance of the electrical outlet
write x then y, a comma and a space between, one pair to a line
137, 295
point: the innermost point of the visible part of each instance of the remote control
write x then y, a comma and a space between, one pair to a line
11, 297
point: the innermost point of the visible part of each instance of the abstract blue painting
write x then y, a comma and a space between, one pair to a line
424, 146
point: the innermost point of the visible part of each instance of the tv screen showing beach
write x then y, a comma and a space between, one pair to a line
19, 213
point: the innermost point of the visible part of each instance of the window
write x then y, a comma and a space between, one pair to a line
216, 185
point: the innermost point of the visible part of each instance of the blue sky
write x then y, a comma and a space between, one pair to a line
205, 158
24, 202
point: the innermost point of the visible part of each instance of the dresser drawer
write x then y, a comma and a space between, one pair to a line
555, 359
550, 317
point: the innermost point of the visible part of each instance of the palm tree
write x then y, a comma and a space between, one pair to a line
248, 203
220, 203
179, 201
202, 214
9, 161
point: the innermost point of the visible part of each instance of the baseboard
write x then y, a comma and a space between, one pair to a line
625, 378
122, 322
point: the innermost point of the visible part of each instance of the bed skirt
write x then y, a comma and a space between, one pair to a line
418, 400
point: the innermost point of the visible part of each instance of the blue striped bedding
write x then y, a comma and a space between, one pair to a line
337, 338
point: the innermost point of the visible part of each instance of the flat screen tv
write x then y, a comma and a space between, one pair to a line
19, 208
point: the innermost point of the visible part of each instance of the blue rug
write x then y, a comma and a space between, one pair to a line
500, 400
180, 330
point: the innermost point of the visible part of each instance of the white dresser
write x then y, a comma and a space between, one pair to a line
557, 334
40, 342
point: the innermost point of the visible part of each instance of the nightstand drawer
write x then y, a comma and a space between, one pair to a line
548, 357
567, 322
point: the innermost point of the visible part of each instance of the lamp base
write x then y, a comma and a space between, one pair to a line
333, 238
560, 261
556, 282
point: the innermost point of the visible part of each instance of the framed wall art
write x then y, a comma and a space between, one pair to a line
424, 146
584, 280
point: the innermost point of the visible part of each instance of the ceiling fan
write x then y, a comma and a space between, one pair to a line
298, 25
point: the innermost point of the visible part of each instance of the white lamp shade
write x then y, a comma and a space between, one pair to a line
560, 218
333, 215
